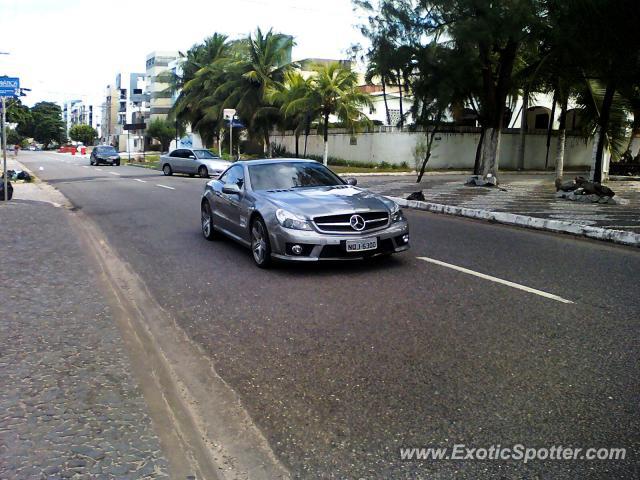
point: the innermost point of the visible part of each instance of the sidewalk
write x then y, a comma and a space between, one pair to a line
69, 406
526, 194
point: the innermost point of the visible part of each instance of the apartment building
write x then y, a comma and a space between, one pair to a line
158, 65
126, 102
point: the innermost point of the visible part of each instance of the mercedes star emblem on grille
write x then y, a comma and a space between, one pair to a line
357, 222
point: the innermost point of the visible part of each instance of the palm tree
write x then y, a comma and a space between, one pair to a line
284, 95
199, 77
334, 91
259, 63
379, 66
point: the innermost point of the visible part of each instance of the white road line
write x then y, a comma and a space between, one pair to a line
99, 169
164, 186
85, 166
141, 181
114, 173
495, 279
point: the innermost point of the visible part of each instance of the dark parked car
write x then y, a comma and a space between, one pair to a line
104, 154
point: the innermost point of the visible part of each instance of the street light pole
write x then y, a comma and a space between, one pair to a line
4, 150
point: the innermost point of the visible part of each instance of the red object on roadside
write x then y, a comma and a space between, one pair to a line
83, 150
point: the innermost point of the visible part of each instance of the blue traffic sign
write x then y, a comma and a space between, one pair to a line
9, 87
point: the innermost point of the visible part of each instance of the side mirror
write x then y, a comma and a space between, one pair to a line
192, 156
352, 181
231, 189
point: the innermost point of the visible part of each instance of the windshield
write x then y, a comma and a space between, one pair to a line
204, 154
275, 176
106, 150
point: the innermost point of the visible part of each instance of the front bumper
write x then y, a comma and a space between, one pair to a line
322, 246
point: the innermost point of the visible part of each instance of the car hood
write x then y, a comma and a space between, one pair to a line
216, 164
335, 200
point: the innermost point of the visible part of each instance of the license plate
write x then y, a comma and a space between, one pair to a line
362, 245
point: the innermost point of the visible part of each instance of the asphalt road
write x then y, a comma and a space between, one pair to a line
340, 365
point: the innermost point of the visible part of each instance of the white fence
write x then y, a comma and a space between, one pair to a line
451, 150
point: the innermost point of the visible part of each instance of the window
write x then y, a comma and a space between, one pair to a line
178, 154
286, 175
234, 175
205, 154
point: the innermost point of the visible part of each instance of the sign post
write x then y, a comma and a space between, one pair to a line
228, 114
9, 87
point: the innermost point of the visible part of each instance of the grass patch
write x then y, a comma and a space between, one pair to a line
341, 169
149, 161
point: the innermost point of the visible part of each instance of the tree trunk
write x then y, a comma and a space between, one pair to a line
386, 105
476, 164
550, 126
562, 136
490, 159
523, 128
429, 145
603, 123
267, 145
401, 106
325, 155
307, 128
297, 135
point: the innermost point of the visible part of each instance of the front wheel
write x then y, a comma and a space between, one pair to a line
167, 170
206, 221
260, 246
203, 172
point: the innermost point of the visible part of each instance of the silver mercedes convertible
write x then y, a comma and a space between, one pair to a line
291, 209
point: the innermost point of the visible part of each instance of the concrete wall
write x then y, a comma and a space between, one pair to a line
451, 150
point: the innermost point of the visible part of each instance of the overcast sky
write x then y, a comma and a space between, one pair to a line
64, 49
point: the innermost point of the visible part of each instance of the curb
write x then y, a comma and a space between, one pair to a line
557, 226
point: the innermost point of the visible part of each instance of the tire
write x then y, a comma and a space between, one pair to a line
166, 169
206, 221
260, 245
117, 164
91, 161
203, 172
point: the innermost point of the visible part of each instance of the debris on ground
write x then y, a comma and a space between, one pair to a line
16, 175
478, 181
582, 190
416, 196
9, 190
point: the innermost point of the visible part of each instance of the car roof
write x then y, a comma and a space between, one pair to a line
264, 161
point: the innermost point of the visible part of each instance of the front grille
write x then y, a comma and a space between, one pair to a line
342, 223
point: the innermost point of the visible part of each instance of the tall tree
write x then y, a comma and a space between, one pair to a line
198, 75
334, 91
285, 95
263, 62
48, 126
85, 134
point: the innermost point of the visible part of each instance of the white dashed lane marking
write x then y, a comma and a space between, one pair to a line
114, 173
496, 280
164, 186
141, 181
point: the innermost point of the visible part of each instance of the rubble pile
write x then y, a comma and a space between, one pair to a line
582, 190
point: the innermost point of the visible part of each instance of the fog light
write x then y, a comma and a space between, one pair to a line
405, 238
297, 249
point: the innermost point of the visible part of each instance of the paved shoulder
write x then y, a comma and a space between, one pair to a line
69, 404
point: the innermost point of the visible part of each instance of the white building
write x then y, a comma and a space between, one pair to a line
157, 65
126, 103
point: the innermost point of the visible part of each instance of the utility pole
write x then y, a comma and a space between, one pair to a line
4, 150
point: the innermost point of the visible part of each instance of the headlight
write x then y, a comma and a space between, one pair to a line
396, 213
289, 220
